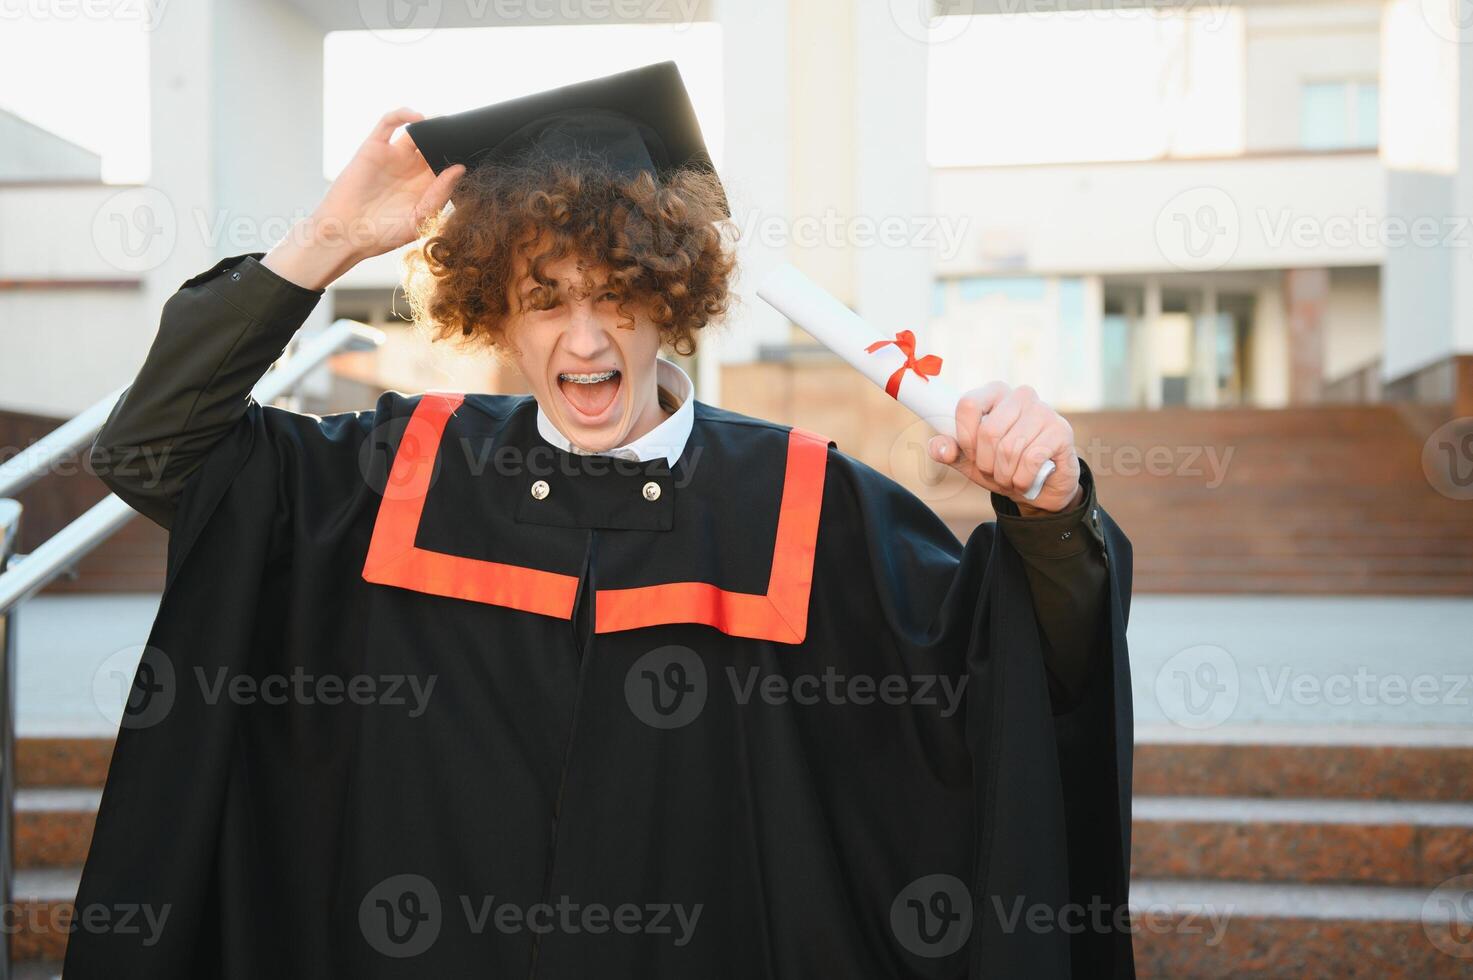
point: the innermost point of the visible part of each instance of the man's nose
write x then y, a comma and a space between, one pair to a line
586, 337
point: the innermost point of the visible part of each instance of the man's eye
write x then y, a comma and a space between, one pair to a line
610, 295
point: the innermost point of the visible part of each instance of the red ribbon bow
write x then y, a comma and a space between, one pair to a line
927, 366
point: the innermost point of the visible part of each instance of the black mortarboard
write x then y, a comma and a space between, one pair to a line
639, 119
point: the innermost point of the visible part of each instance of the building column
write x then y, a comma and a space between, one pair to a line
1306, 294
758, 95
1427, 146
236, 141
1461, 347
1085, 390
829, 155
1203, 393
892, 274
1143, 347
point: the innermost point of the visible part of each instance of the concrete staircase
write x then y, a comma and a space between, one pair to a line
1339, 859
60, 784
1310, 501
1324, 500
1329, 500
1250, 859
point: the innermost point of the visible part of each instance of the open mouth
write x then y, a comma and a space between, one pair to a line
591, 394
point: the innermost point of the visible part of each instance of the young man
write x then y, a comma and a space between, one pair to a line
604, 681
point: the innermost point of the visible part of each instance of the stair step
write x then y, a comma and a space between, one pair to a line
1303, 841
45, 970
1242, 929
1306, 582
43, 905
1379, 565
62, 762
53, 826
1267, 545
1184, 927
1210, 837
1236, 500
1358, 764
1363, 763
1309, 840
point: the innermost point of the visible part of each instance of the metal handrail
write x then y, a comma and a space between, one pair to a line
51, 559
9, 529
10, 516
37, 459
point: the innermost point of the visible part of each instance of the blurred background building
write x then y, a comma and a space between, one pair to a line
1231, 241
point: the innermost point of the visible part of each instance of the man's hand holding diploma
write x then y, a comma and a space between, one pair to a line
1000, 438
1003, 437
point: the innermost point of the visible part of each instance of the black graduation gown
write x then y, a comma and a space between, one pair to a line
699, 732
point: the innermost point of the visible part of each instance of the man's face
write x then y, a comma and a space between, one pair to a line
592, 371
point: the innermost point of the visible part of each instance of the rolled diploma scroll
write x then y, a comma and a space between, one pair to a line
842, 331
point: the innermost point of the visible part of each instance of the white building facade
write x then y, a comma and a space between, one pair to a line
1311, 253
1311, 256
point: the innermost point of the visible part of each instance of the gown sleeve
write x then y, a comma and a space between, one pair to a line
218, 334
1064, 561
1049, 780
266, 523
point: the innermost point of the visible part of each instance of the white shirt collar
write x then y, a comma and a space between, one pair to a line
667, 439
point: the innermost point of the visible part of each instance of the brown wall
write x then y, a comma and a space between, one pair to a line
1446, 381
1316, 500
130, 561
829, 398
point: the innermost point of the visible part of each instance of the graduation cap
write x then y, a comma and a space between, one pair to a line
638, 120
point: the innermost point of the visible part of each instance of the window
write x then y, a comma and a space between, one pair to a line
1339, 115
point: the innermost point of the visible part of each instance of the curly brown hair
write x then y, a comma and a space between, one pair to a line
659, 238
